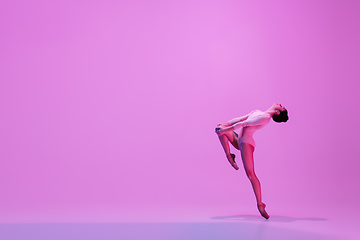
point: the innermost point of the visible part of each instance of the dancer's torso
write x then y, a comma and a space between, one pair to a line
257, 120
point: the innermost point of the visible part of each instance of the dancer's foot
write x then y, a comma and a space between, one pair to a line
231, 159
262, 211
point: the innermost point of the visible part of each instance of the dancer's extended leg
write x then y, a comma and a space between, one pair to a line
225, 138
247, 151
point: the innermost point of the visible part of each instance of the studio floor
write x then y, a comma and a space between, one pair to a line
214, 223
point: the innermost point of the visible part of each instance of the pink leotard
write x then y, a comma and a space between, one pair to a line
255, 121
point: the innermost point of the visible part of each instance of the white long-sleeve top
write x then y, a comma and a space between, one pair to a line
253, 122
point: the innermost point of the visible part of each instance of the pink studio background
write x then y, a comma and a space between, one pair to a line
109, 106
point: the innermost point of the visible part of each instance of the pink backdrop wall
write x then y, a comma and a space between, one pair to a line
113, 104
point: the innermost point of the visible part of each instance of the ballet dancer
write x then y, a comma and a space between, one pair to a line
249, 124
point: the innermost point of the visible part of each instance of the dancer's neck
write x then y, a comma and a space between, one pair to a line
271, 111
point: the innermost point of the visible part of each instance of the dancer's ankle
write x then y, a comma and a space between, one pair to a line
261, 206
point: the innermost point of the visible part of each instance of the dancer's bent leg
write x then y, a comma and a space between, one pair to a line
225, 138
247, 151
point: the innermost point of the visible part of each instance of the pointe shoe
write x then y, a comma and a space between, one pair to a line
233, 157
262, 211
233, 163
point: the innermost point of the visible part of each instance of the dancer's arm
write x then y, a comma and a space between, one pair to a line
253, 121
238, 119
228, 125
233, 127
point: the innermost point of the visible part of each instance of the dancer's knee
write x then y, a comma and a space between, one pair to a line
250, 174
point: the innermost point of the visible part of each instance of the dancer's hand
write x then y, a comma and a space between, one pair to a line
219, 129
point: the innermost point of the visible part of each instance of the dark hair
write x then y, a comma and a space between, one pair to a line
282, 117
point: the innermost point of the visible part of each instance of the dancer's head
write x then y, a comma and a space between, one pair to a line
281, 114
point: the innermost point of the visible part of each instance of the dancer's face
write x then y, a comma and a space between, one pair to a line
278, 108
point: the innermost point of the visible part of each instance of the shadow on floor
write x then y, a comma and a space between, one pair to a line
273, 218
